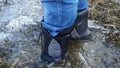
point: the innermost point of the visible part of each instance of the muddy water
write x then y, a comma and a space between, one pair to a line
72, 60
98, 53
117, 1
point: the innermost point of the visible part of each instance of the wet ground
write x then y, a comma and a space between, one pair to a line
98, 53
19, 40
92, 54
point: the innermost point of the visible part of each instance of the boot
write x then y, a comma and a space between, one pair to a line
81, 32
54, 48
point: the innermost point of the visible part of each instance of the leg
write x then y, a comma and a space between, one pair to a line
58, 14
80, 31
57, 24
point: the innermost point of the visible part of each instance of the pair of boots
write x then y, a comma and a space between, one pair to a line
54, 48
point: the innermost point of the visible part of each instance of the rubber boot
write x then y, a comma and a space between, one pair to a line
54, 49
81, 32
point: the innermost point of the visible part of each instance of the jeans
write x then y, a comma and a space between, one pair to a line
60, 14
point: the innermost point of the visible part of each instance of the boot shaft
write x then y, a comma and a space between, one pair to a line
54, 48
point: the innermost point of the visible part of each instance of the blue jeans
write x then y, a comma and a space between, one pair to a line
60, 14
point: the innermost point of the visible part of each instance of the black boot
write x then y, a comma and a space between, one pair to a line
54, 48
81, 32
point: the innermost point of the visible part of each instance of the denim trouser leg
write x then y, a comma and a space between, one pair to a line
82, 4
58, 14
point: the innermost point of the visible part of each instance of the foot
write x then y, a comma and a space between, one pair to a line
83, 38
86, 37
